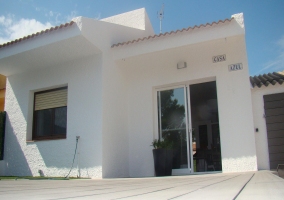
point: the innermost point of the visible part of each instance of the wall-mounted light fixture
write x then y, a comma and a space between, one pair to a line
181, 65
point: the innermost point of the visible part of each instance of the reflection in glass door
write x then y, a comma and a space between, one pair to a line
206, 148
188, 118
173, 125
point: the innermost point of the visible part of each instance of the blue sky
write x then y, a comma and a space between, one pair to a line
264, 20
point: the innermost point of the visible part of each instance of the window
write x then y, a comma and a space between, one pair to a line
50, 114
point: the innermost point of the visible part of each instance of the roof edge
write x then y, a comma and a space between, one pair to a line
239, 17
267, 79
37, 34
172, 32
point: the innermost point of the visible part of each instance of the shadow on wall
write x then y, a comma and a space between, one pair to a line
55, 153
59, 154
15, 161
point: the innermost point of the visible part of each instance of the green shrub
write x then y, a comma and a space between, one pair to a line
162, 144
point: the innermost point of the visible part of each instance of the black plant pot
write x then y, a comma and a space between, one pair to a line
163, 159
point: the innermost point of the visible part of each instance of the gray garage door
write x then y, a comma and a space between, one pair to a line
274, 112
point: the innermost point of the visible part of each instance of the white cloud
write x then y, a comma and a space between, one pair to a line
278, 63
11, 29
5, 21
56, 17
51, 15
72, 15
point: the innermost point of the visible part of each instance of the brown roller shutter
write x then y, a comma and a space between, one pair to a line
51, 99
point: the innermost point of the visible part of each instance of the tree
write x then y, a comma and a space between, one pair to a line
174, 126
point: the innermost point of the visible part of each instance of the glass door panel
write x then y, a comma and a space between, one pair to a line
205, 136
188, 119
173, 124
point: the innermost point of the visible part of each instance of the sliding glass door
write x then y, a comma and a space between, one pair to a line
173, 125
188, 120
206, 146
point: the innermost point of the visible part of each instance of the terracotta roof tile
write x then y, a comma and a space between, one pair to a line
170, 33
267, 79
36, 34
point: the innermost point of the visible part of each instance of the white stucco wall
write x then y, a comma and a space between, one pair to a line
96, 99
114, 114
260, 123
135, 19
115, 141
84, 119
115, 132
149, 72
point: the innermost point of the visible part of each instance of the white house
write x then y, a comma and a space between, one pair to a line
118, 86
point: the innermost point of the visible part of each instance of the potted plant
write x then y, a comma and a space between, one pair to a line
163, 157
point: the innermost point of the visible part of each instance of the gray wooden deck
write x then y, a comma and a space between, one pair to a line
250, 185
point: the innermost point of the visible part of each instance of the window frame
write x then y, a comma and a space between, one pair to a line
52, 136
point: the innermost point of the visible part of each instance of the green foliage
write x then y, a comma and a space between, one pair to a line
172, 112
2, 133
172, 119
164, 144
